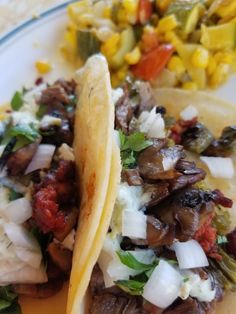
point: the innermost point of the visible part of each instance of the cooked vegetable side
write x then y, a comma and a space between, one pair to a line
169, 43
39, 201
169, 247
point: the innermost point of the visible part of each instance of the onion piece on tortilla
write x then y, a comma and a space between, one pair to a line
190, 254
219, 167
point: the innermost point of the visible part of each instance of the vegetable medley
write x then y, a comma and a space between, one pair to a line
38, 212
169, 248
182, 43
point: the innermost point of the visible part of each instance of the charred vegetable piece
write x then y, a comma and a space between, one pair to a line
7, 152
221, 220
60, 256
41, 291
227, 266
231, 244
88, 44
225, 145
197, 138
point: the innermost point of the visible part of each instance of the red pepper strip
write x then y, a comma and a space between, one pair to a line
153, 62
144, 11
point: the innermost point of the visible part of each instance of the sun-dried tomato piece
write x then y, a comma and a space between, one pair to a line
46, 211
206, 236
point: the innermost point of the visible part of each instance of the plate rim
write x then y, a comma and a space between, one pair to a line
8, 35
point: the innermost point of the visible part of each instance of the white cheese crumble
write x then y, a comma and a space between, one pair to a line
152, 124
189, 113
219, 167
49, 120
117, 94
66, 152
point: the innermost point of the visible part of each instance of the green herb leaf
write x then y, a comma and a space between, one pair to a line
7, 294
132, 287
130, 145
185, 279
130, 261
221, 239
17, 101
25, 130
136, 142
41, 111
13, 195
14, 308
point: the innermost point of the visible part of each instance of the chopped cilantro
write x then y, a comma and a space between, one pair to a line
130, 145
17, 101
8, 301
185, 279
132, 287
13, 195
25, 130
130, 261
41, 111
221, 239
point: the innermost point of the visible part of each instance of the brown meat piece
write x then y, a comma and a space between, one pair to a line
71, 217
61, 256
123, 113
96, 283
68, 86
158, 192
53, 95
150, 162
189, 306
112, 304
39, 291
20, 159
159, 233
131, 176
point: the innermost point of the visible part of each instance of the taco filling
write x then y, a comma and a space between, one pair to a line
169, 248
38, 212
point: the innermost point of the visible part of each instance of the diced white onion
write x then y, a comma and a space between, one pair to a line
189, 113
49, 120
163, 286
220, 167
31, 258
18, 211
196, 287
20, 236
134, 224
66, 152
190, 254
42, 158
69, 240
118, 271
157, 129
117, 94
152, 123
26, 274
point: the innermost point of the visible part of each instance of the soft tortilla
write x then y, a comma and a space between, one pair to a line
215, 114
98, 171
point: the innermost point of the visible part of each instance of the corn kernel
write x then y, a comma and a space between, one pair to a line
133, 56
200, 58
122, 15
121, 73
176, 65
43, 66
163, 4
109, 48
220, 74
190, 86
211, 66
167, 23
107, 12
130, 6
224, 57
171, 37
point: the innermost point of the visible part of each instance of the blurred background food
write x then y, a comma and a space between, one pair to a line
182, 43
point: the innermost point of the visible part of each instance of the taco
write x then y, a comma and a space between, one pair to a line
169, 246
39, 198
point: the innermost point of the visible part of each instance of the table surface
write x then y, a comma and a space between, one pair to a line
12, 12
